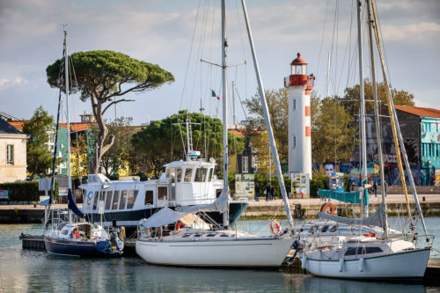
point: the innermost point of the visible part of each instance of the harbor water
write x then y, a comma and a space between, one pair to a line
32, 271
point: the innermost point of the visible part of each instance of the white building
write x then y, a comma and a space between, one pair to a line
12, 153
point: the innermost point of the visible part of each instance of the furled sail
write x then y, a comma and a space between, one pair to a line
163, 217
72, 205
376, 219
166, 216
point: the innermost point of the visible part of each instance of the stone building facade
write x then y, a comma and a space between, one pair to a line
12, 153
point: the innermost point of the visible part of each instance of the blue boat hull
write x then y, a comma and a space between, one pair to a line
78, 248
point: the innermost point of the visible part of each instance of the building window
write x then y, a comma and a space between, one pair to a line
294, 104
294, 141
10, 154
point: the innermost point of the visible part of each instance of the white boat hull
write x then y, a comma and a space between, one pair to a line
260, 252
405, 264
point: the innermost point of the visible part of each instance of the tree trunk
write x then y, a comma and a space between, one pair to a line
101, 146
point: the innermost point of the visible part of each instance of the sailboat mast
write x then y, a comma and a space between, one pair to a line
394, 117
267, 120
225, 116
66, 79
377, 117
364, 172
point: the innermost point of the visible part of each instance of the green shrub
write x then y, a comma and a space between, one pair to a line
261, 181
22, 191
319, 180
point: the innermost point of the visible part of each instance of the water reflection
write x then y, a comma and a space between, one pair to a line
30, 271
314, 284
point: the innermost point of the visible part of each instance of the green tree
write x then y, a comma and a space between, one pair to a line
104, 77
120, 155
278, 103
162, 141
350, 99
333, 138
38, 154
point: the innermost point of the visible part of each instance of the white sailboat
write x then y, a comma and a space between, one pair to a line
371, 256
217, 247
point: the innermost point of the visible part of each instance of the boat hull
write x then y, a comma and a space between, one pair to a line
401, 265
75, 248
260, 253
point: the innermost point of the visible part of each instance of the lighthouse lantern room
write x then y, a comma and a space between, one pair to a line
299, 87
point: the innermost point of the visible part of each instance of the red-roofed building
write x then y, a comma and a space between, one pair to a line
421, 131
419, 111
420, 127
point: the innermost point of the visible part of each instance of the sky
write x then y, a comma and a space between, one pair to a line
176, 34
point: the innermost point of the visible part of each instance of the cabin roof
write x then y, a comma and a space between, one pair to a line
195, 163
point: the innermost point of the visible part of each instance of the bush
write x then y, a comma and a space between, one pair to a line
22, 191
319, 180
261, 181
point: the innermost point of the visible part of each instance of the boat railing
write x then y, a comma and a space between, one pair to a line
422, 241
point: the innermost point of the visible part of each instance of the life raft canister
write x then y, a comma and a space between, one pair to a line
329, 208
275, 227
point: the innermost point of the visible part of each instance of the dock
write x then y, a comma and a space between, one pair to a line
306, 208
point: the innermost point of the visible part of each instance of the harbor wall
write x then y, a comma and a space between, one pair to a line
261, 209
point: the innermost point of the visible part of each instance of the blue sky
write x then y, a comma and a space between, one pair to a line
162, 32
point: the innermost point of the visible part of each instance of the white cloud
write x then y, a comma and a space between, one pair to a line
7, 83
410, 31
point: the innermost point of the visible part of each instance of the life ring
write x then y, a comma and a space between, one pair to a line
178, 226
329, 208
275, 227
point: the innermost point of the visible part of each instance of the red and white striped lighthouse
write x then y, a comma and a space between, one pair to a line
299, 87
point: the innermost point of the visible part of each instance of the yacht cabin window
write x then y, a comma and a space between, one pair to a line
95, 200
362, 250
149, 197
101, 198
132, 194
123, 200
162, 192
188, 174
210, 174
179, 174
200, 175
171, 173
108, 200
115, 200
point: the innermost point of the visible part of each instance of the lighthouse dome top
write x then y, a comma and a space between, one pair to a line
299, 60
